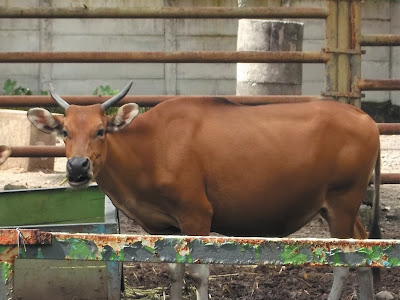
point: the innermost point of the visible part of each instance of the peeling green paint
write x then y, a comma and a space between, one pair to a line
117, 257
80, 249
40, 253
184, 258
2, 249
320, 255
291, 255
21, 253
335, 253
247, 246
373, 254
6, 270
151, 250
394, 262
257, 249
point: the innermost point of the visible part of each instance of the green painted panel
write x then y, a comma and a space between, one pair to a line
51, 206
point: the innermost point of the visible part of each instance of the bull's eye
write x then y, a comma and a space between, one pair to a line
65, 134
100, 133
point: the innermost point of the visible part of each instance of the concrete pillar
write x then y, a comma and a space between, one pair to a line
266, 78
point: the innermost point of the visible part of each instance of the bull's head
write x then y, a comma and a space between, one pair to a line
84, 129
4, 153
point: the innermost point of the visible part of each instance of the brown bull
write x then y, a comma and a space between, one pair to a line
4, 153
196, 166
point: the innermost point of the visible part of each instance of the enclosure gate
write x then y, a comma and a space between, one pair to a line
342, 55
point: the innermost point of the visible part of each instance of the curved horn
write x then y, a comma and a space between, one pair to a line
110, 102
58, 99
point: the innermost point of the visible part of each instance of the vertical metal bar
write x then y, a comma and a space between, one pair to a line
343, 44
331, 43
114, 270
355, 59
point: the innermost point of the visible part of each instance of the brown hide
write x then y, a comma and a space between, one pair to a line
192, 166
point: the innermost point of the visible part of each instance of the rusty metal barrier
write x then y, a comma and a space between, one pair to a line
165, 12
165, 57
378, 84
380, 40
190, 249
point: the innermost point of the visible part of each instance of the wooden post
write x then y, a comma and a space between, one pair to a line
343, 47
355, 59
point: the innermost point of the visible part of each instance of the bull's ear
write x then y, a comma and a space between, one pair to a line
125, 114
4, 153
45, 121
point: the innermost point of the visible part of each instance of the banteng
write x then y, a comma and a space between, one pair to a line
195, 166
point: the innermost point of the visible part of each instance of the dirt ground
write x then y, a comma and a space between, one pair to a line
151, 281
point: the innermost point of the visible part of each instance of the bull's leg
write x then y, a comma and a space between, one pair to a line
199, 274
366, 283
342, 217
177, 272
339, 277
198, 222
364, 274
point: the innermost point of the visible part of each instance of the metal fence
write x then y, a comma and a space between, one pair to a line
342, 54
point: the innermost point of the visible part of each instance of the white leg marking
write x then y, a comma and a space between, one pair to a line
177, 272
199, 274
366, 283
339, 277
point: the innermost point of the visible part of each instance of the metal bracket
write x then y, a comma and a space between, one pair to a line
351, 95
343, 51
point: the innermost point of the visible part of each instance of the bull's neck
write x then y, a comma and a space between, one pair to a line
121, 165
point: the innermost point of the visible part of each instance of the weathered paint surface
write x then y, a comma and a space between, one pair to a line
6, 270
214, 250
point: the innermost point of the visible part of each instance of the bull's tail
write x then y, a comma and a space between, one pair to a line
374, 229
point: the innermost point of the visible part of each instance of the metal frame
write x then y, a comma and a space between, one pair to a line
190, 249
341, 55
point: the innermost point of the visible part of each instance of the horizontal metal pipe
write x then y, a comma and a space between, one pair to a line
166, 57
38, 151
389, 128
390, 178
163, 12
380, 40
146, 101
378, 84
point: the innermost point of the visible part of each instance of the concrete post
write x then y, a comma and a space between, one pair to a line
269, 78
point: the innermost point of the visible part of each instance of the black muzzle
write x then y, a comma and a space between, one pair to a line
78, 171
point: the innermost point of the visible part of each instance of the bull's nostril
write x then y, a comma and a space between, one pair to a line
69, 166
85, 164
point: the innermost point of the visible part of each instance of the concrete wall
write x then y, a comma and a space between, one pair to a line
171, 35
